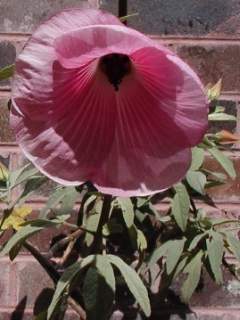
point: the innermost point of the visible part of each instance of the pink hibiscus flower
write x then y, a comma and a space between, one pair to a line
94, 100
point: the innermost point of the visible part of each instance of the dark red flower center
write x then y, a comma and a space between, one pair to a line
115, 66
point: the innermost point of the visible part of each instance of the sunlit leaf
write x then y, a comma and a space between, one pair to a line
196, 241
196, 181
26, 231
141, 240
99, 289
133, 282
193, 271
214, 92
4, 173
171, 250
234, 244
180, 206
215, 249
197, 158
6, 72
127, 210
66, 279
217, 116
224, 161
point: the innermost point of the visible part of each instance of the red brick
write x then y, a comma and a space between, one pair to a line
230, 191
31, 280
212, 62
5, 286
206, 17
16, 16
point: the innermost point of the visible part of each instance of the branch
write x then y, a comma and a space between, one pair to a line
55, 276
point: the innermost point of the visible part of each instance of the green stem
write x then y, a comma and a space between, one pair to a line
225, 222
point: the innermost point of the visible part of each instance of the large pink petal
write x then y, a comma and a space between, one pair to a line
177, 91
33, 81
70, 147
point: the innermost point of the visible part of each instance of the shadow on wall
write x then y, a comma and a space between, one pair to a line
192, 17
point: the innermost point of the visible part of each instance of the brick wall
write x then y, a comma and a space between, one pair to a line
206, 34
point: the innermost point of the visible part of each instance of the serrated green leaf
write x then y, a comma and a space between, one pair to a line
99, 289
217, 116
25, 232
224, 161
234, 244
180, 206
193, 271
133, 282
66, 279
6, 72
197, 158
215, 249
196, 181
127, 210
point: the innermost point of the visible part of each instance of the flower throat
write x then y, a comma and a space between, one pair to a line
115, 66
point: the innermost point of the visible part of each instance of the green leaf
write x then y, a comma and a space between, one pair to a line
174, 253
221, 117
6, 72
196, 181
133, 282
215, 249
214, 92
193, 271
91, 225
65, 281
197, 158
54, 199
127, 210
31, 186
224, 161
68, 201
25, 232
141, 240
19, 176
234, 245
172, 250
180, 206
99, 289
196, 241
